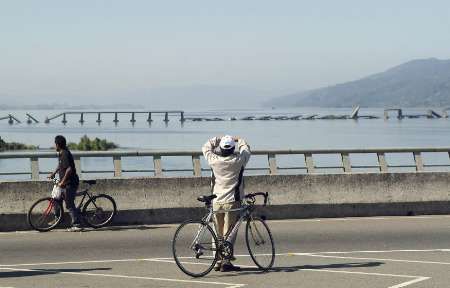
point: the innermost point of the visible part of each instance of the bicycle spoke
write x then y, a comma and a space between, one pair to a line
260, 243
194, 248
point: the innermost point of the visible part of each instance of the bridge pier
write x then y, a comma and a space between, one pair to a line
399, 113
149, 119
31, 119
116, 119
99, 118
166, 117
133, 120
182, 119
64, 121
81, 118
445, 112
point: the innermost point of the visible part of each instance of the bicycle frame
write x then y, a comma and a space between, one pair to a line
245, 212
85, 194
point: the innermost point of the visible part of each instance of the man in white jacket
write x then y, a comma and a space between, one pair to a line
228, 168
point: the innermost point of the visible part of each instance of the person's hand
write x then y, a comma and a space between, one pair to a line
61, 185
236, 138
51, 176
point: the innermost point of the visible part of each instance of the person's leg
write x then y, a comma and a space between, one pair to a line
69, 199
229, 221
218, 223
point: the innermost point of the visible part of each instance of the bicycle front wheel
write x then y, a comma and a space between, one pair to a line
45, 214
99, 211
194, 248
260, 243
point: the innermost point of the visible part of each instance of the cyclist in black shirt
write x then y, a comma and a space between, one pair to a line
68, 179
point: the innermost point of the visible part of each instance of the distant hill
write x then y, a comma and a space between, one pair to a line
418, 83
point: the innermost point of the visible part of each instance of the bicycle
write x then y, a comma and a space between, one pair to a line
98, 211
196, 247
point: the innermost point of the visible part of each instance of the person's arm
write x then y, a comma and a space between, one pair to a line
65, 164
244, 150
208, 149
63, 182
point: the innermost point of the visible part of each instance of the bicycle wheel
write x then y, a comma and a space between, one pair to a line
194, 248
99, 211
260, 243
45, 214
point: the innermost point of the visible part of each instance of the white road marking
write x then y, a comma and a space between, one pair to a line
384, 251
404, 284
377, 259
415, 279
360, 218
72, 262
270, 221
228, 285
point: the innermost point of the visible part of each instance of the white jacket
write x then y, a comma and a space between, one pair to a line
227, 170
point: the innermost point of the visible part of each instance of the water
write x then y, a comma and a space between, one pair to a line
288, 134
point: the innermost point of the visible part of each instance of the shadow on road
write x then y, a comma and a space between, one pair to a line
40, 272
124, 228
249, 271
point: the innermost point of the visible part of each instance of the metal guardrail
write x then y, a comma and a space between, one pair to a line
272, 166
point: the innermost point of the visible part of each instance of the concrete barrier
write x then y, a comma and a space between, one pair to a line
169, 200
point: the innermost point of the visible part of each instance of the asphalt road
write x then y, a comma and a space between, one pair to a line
385, 252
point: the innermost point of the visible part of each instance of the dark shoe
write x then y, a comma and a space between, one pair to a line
228, 267
217, 266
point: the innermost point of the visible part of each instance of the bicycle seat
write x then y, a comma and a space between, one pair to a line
90, 182
206, 198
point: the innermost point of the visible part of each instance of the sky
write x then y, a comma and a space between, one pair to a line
89, 51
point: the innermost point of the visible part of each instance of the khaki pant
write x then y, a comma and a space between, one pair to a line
225, 221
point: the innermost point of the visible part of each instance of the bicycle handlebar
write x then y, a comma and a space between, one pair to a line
264, 194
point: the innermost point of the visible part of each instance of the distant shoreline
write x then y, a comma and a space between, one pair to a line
66, 107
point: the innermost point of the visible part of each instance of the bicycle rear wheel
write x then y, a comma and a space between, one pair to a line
99, 211
45, 214
260, 243
194, 248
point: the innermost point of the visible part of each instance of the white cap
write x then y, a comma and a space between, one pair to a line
227, 142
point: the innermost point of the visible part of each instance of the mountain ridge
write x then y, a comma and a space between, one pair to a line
416, 83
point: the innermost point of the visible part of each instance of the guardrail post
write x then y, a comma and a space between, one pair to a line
272, 164
382, 162
117, 166
34, 168
346, 162
197, 165
419, 161
157, 165
309, 163
77, 160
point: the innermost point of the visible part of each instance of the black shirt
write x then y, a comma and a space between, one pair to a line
65, 161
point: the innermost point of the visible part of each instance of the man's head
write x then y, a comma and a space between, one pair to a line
60, 142
226, 145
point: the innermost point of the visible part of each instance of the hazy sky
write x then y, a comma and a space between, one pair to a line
99, 48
